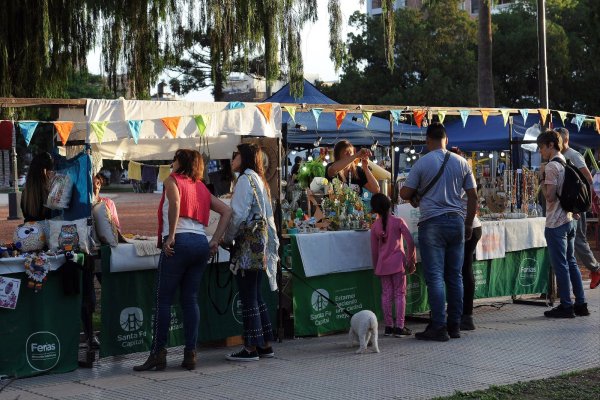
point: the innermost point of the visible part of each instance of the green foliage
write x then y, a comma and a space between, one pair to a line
309, 170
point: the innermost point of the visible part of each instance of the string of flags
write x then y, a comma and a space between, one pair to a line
98, 128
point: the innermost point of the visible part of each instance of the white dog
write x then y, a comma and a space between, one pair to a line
363, 326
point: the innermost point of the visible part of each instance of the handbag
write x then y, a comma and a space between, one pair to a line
416, 199
250, 245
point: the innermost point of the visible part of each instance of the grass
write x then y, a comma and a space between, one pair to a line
580, 385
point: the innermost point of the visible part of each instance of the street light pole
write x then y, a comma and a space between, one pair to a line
543, 65
14, 197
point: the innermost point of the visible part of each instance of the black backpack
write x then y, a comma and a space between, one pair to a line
576, 195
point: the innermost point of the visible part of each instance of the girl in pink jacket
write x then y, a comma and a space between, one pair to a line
391, 262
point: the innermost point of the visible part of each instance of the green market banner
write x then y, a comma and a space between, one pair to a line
128, 301
521, 272
41, 335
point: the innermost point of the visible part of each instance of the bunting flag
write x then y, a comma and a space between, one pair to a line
292, 111
484, 115
339, 117
563, 116
64, 130
316, 112
233, 105
524, 113
579, 118
135, 126
202, 122
505, 114
163, 172
27, 130
396, 115
265, 109
171, 123
543, 115
367, 116
597, 124
464, 115
134, 171
418, 116
99, 128
6, 134
442, 115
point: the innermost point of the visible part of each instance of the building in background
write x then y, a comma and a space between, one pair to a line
471, 6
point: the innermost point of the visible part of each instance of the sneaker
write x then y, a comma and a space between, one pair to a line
560, 312
389, 331
94, 344
581, 310
454, 331
466, 323
399, 332
266, 352
243, 355
438, 335
595, 277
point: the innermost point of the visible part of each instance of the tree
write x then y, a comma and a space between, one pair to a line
485, 76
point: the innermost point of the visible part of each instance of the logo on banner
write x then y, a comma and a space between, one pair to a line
236, 309
414, 289
318, 302
528, 271
43, 350
131, 319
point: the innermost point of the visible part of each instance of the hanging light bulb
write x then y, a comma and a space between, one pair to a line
324, 163
396, 149
293, 152
502, 154
317, 142
406, 149
309, 158
415, 157
481, 154
412, 151
327, 157
407, 159
491, 155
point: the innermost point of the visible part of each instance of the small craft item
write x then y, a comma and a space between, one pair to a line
59, 195
36, 269
30, 236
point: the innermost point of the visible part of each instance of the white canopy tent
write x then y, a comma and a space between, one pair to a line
224, 127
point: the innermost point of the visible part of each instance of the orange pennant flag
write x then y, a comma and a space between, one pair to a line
64, 130
339, 117
265, 109
597, 124
484, 115
418, 115
543, 115
171, 123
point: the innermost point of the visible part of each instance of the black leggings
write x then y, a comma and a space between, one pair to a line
467, 272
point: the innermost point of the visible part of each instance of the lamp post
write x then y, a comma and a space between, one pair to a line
543, 65
14, 197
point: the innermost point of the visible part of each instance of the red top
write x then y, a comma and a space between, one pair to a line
194, 202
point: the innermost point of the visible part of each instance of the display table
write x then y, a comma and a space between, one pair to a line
345, 275
128, 299
41, 334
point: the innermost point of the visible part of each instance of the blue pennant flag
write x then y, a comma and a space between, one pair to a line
135, 125
396, 115
317, 113
464, 114
524, 113
235, 105
27, 129
579, 118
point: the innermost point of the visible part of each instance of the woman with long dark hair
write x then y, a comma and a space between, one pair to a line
346, 169
251, 198
391, 262
183, 215
37, 187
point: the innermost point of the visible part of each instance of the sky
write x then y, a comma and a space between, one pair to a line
315, 48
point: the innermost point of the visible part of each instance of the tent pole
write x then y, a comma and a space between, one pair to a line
391, 154
280, 331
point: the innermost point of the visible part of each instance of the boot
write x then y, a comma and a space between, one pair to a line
189, 360
156, 361
466, 323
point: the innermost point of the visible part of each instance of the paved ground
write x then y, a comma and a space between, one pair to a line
512, 343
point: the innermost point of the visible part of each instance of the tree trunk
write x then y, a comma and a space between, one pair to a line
485, 78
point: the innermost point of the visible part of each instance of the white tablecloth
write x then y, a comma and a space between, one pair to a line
331, 252
15, 265
517, 235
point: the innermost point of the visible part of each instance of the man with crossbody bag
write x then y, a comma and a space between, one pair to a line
443, 226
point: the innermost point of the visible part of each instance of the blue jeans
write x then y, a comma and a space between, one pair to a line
183, 270
257, 324
561, 247
441, 243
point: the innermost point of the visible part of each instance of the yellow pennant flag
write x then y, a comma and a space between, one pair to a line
543, 115
442, 115
265, 109
563, 116
99, 129
171, 123
597, 124
64, 130
484, 115
339, 117
505, 115
367, 116
292, 111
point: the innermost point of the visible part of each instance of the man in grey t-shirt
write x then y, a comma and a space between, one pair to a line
443, 226
582, 247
